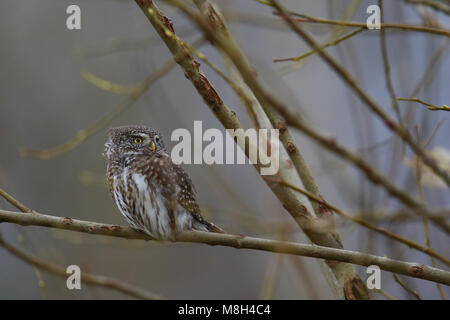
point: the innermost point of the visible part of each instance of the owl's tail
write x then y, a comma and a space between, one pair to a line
207, 226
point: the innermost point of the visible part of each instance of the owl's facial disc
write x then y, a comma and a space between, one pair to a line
132, 140
142, 142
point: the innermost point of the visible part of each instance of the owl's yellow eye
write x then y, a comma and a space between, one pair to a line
137, 140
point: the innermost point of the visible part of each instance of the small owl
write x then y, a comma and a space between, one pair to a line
154, 195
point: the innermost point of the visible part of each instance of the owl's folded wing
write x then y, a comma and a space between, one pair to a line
176, 186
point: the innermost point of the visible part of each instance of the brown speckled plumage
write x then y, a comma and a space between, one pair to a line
154, 195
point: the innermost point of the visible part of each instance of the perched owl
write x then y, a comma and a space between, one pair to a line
154, 195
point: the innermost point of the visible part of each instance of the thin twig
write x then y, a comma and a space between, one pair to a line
385, 294
436, 5
83, 134
430, 106
16, 203
405, 27
425, 220
407, 289
108, 85
269, 283
326, 45
387, 67
399, 215
427, 75
88, 278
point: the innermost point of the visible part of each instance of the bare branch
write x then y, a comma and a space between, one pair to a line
236, 241
83, 134
326, 45
430, 106
404, 27
436, 5
387, 66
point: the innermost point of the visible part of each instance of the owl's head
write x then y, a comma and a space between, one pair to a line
133, 140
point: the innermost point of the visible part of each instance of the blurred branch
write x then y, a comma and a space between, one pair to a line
236, 241
88, 278
271, 278
108, 85
387, 67
431, 68
436, 5
326, 45
400, 215
83, 134
430, 106
405, 27
424, 220
115, 45
333, 34
427, 76
385, 294
407, 289
307, 281
253, 19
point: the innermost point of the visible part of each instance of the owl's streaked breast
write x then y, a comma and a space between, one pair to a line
145, 208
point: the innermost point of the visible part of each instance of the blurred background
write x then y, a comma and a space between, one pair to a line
45, 101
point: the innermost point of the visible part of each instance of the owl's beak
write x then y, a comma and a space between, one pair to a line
153, 146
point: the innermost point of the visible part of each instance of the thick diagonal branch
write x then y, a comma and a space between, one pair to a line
345, 273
